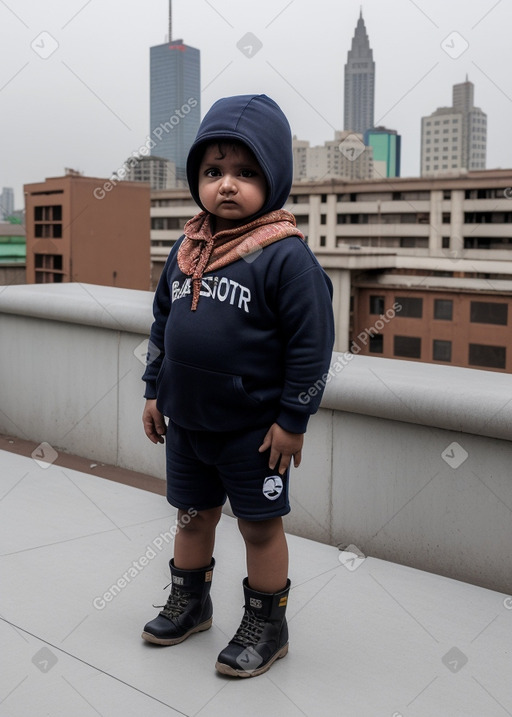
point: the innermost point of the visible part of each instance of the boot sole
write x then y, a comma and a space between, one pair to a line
227, 670
176, 640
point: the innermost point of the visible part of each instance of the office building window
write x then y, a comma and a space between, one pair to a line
53, 262
487, 356
376, 345
411, 307
48, 214
48, 222
160, 223
376, 304
443, 309
48, 268
407, 346
45, 277
488, 312
442, 350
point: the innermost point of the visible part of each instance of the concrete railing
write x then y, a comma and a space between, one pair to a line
406, 461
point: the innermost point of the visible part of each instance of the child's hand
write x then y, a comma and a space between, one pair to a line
283, 445
154, 423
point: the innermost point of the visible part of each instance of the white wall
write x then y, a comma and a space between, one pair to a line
71, 363
407, 461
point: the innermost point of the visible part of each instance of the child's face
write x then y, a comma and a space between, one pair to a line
232, 186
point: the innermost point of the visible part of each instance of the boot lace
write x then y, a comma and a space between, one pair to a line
176, 603
250, 629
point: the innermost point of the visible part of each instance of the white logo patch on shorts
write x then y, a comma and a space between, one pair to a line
272, 487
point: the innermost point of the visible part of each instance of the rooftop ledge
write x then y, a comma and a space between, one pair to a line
106, 307
403, 460
457, 399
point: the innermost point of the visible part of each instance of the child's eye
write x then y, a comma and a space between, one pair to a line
212, 172
247, 173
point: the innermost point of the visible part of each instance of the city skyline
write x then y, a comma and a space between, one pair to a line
70, 105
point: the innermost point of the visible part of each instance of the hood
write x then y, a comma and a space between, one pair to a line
260, 123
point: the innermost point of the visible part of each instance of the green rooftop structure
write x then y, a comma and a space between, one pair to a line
13, 249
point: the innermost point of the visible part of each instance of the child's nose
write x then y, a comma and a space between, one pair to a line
228, 185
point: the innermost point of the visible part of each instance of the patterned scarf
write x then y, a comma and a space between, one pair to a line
203, 251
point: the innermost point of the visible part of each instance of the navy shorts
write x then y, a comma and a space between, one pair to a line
204, 468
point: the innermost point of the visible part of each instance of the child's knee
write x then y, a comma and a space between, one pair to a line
200, 520
260, 531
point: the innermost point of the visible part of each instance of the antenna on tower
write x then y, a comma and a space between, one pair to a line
170, 21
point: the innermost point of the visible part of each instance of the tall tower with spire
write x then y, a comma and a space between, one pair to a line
175, 99
359, 82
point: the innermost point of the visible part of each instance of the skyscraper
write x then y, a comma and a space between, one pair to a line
175, 100
454, 138
6, 202
359, 82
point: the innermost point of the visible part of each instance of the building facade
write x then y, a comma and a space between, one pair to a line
88, 230
344, 157
359, 88
454, 138
387, 146
158, 172
458, 321
175, 101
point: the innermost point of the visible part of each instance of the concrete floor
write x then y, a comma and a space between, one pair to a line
368, 638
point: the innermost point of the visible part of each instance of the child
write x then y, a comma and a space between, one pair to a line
243, 328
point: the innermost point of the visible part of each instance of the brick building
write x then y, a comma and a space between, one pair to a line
88, 230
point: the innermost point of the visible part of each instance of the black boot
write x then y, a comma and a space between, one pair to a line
262, 637
188, 609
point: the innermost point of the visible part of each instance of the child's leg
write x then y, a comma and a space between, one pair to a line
267, 554
195, 540
189, 606
262, 637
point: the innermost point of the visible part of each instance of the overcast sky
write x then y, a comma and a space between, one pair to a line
86, 105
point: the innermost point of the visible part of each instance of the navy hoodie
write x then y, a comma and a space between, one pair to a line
263, 331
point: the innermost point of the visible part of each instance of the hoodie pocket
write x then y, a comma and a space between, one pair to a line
201, 399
